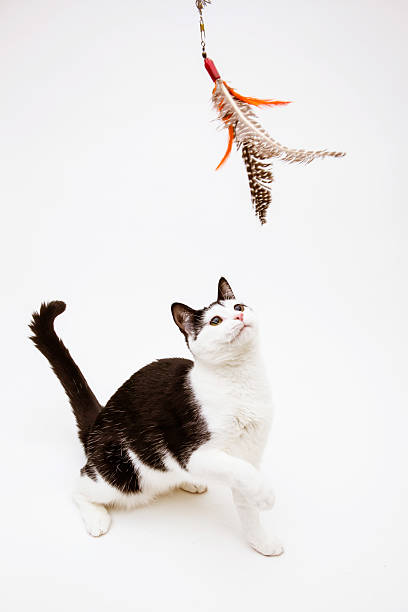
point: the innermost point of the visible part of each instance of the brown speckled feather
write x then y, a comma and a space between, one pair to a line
258, 147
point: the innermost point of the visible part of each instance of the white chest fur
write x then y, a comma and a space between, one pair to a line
236, 403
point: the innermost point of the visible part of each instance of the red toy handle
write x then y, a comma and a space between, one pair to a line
211, 69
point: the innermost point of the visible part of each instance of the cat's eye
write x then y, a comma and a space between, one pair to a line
240, 307
215, 321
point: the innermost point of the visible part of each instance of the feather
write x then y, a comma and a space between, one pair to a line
229, 146
260, 177
254, 101
257, 145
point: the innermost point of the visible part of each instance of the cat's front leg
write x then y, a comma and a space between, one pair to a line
255, 534
249, 492
218, 466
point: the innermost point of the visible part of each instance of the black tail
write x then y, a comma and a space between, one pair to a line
84, 404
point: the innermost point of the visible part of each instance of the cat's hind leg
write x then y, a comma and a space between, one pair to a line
90, 496
96, 517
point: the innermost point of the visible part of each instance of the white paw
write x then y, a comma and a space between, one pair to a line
268, 546
97, 521
191, 487
264, 498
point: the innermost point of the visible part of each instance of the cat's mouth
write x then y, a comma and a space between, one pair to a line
241, 329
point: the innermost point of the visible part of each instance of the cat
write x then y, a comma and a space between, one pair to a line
175, 423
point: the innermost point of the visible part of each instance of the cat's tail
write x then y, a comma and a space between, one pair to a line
84, 404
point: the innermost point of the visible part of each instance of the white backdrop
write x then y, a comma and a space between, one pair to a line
111, 203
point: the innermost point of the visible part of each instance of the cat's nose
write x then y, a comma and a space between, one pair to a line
239, 316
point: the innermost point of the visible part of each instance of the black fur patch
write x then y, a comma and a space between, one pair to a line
89, 470
198, 318
152, 414
190, 321
198, 321
116, 467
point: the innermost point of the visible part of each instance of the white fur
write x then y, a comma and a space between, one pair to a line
229, 383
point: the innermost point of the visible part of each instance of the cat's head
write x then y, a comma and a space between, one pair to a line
221, 332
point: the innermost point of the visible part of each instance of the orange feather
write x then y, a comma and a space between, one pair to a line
229, 147
254, 101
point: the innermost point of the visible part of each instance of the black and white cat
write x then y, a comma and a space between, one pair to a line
175, 423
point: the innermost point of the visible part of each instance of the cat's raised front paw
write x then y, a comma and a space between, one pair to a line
264, 498
269, 546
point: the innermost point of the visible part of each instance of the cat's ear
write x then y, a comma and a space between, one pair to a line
224, 290
183, 317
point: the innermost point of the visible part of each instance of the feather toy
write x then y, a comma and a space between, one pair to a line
257, 146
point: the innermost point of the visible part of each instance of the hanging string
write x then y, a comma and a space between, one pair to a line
200, 4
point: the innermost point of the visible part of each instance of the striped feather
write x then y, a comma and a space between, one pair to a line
258, 147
